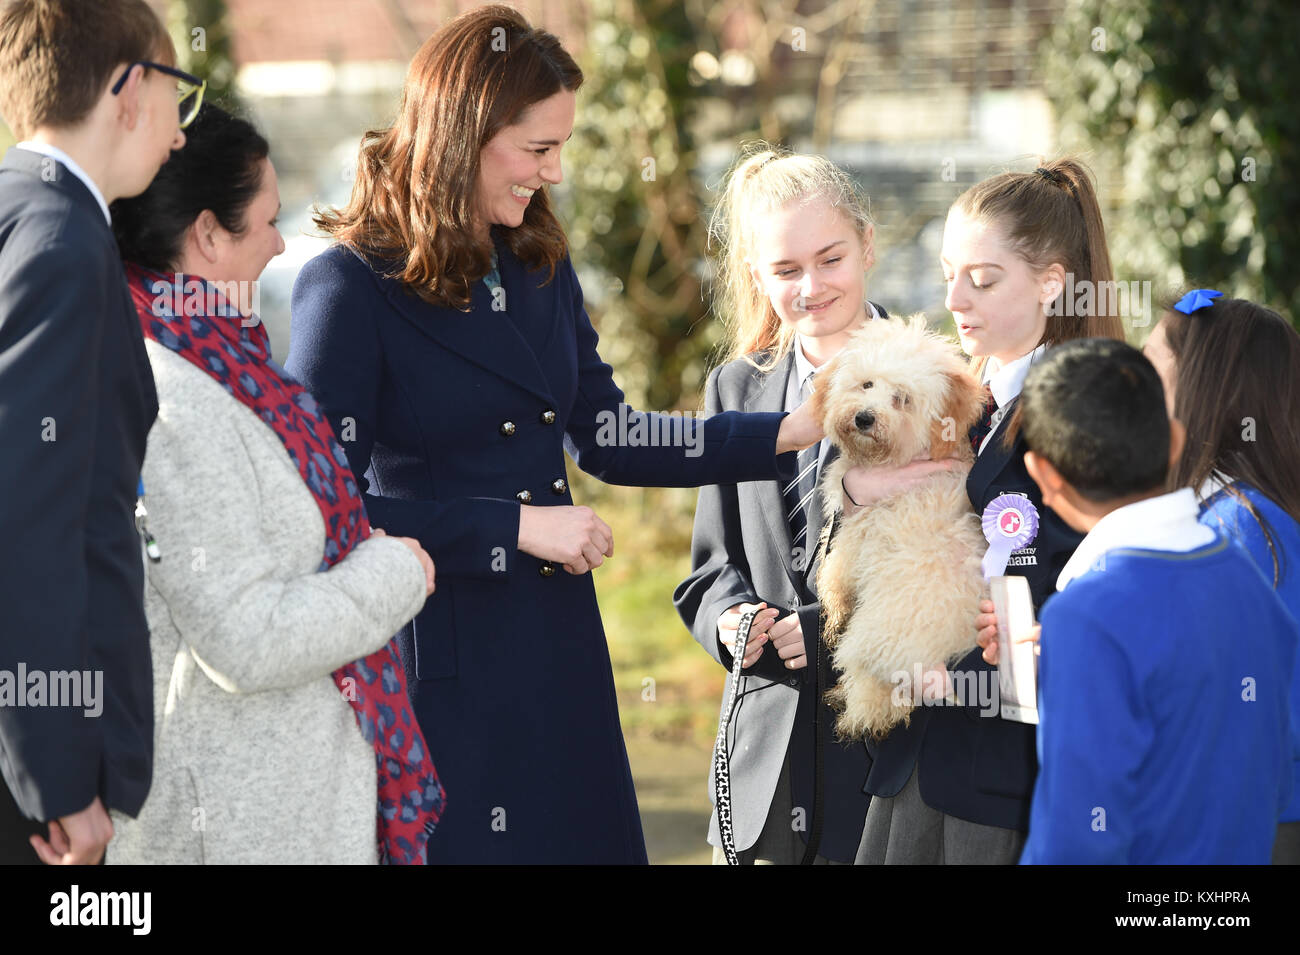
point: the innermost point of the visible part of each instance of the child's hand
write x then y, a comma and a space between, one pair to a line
729, 623
986, 622
867, 486
787, 640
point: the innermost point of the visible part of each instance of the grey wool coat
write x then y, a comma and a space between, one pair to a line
259, 758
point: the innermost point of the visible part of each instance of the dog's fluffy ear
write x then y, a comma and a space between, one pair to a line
962, 407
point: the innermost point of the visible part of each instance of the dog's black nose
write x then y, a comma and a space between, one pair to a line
864, 420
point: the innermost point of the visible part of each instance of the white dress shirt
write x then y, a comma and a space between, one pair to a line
1005, 382
54, 152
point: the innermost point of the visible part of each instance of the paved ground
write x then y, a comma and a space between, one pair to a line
670, 780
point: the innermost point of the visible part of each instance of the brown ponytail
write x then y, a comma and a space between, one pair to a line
1051, 215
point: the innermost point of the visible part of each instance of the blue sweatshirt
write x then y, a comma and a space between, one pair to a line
1165, 727
1225, 512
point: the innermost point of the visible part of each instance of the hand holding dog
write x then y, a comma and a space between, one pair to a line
569, 535
986, 623
867, 486
729, 623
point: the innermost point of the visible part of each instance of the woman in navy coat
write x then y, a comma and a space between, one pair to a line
446, 338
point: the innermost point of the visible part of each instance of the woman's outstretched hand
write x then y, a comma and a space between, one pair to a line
570, 535
799, 429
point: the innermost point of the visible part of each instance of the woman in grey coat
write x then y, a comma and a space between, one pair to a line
283, 731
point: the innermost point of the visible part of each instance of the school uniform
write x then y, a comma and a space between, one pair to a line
1164, 684
1224, 510
78, 402
954, 785
743, 551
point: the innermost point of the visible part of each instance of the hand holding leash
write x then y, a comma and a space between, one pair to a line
729, 621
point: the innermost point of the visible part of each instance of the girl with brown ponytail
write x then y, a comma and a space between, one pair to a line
954, 785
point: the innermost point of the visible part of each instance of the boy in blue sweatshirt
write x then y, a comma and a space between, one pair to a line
1165, 657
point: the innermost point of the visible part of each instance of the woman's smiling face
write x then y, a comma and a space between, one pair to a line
809, 261
519, 159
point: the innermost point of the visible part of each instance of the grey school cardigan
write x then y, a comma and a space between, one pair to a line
258, 756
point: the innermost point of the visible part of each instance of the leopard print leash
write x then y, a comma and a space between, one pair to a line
721, 751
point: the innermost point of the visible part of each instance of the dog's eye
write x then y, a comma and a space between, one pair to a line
867, 384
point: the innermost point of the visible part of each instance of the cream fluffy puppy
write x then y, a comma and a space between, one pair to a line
902, 579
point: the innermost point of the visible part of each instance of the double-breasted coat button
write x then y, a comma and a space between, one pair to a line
559, 486
548, 416
507, 428
524, 497
547, 569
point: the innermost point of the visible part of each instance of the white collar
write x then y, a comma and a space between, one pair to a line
1212, 485
1168, 522
802, 366
1005, 381
54, 152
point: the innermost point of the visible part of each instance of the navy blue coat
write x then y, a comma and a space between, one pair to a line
981, 767
451, 417
76, 403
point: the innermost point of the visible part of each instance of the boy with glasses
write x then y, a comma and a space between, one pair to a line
87, 87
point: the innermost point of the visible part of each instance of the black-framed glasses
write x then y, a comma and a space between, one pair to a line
189, 88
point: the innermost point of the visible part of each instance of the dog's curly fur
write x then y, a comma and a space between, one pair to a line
902, 580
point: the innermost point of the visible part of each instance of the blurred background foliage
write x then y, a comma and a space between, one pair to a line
201, 33
1193, 105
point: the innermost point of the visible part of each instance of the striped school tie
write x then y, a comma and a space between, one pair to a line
980, 430
799, 487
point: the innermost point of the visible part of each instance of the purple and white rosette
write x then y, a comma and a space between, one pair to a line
1010, 522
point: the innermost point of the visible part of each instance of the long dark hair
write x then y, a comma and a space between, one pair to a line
218, 168
413, 199
1237, 369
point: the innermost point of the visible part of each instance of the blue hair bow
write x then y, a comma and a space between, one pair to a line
1197, 298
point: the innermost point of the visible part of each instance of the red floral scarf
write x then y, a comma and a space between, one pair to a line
192, 318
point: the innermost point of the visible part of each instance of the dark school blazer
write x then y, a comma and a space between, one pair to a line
77, 400
981, 767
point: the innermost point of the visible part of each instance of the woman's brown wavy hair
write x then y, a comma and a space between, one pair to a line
413, 202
